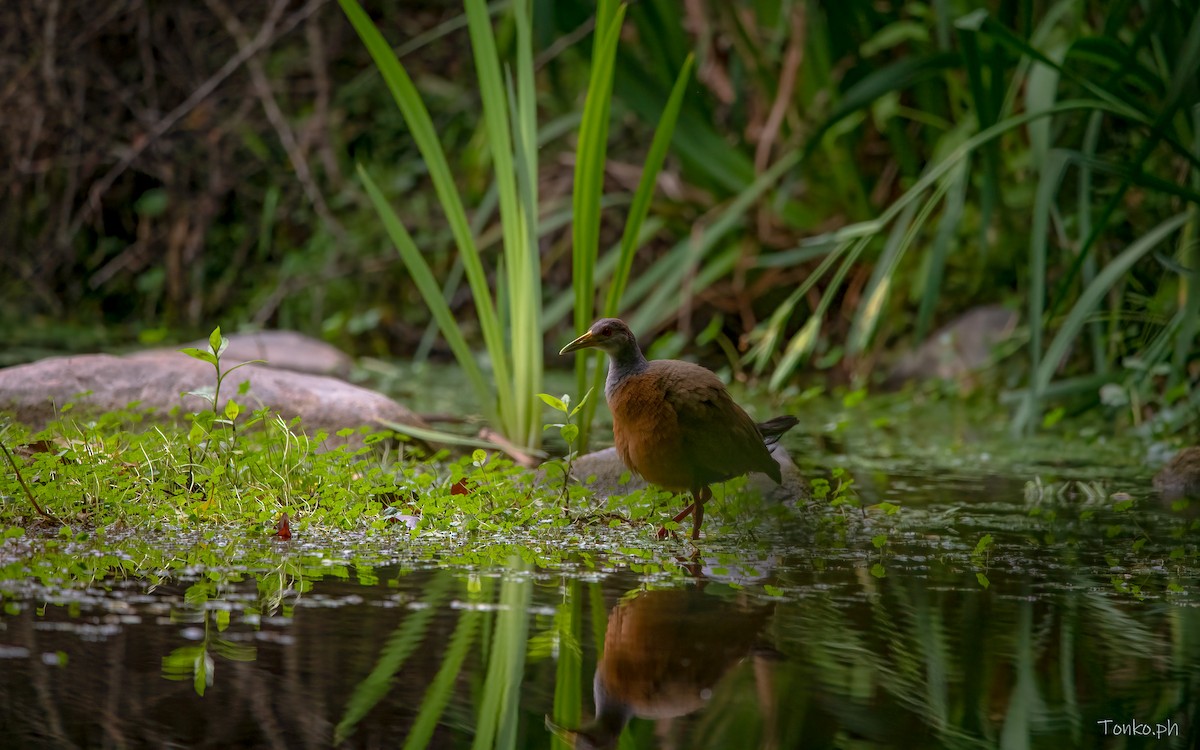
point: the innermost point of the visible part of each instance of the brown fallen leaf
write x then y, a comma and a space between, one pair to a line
282, 529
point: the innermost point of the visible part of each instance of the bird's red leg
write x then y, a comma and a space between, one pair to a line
698, 517
684, 513
662, 532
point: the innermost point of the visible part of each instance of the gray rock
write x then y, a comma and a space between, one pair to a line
1181, 476
284, 350
98, 383
958, 349
601, 471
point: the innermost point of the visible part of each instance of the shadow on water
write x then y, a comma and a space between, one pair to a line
930, 639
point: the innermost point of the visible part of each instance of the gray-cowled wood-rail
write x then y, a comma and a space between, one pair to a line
675, 424
665, 653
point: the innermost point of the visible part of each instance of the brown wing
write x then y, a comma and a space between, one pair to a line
646, 432
720, 441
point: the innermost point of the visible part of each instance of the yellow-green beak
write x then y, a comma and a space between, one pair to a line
583, 342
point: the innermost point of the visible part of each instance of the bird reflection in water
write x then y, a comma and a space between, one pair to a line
664, 654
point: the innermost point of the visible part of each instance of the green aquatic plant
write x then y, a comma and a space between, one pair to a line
568, 430
1102, 246
514, 342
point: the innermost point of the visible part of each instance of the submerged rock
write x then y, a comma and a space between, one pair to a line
602, 470
157, 382
958, 349
1181, 476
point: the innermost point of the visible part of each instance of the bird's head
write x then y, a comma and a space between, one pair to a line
607, 334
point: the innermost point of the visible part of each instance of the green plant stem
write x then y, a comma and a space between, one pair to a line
28, 492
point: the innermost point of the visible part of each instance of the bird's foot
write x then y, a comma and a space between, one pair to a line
664, 531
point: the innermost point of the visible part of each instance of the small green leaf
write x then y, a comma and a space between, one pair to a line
14, 532
581, 403
214, 340
232, 410
199, 354
1123, 506
983, 544
553, 402
983, 580
854, 398
197, 434
222, 617
878, 570
879, 540
772, 590
1053, 417
151, 203
479, 457
570, 432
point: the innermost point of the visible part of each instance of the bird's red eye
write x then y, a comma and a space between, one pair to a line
606, 331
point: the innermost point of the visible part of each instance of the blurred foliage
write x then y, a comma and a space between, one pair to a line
173, 164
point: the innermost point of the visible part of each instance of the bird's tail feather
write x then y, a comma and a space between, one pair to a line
773, 428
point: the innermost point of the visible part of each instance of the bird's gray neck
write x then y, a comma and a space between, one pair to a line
623, 364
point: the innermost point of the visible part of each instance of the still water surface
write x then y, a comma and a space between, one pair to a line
1064, 632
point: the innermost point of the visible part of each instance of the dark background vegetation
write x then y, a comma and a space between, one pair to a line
170, 166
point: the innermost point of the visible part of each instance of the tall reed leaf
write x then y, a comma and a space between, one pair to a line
400, 645
631, 236
428, 286
510, 126
589, 177
517, 218
1030, 409
441, 688
498, 710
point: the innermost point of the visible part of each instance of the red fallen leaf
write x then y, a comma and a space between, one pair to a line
460, 488
282, 529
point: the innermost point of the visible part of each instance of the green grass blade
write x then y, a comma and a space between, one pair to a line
760, 355
498, 709
904, 233
969, 27
569, 670
1188, 255
589, 181
1049, 181
947, 227
803, 342
402, 643
1078, 316
527, 328
437, 695
656, 293
645, 189
631, 237
432, 293
440, 437
500, 145
425, 136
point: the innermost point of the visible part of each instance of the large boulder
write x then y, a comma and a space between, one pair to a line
285, 350
156, 380
1181, 476
957, 350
